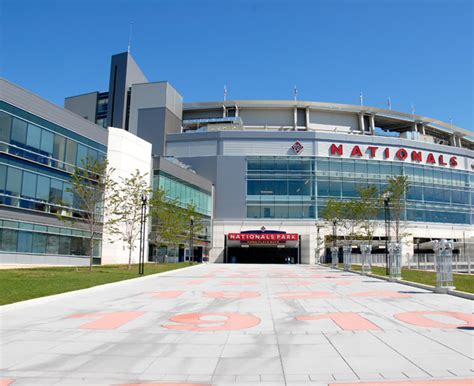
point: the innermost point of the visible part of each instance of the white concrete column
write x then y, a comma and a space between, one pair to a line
372, 123
295, 117
361, 123
307, 118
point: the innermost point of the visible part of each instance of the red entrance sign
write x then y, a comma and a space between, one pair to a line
263, 237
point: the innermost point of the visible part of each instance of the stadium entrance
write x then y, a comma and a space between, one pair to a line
262, 247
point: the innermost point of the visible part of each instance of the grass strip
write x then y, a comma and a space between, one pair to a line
29, 283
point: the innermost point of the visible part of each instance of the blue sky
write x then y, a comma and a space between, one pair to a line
414, 51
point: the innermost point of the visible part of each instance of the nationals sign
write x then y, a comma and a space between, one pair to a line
397, 154
263, 237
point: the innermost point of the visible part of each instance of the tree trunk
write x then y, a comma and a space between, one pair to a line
91, 252
129, 258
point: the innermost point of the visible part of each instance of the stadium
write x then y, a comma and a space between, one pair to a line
275, 164
260, 172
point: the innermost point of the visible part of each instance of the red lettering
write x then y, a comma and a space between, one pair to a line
372, 150
430, 159
348, 321
212, 321
453, 161
421, 319
336, 149
401, 154
441, 160
356, 151
386, 152
416, 156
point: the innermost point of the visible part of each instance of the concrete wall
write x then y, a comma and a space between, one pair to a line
330, 121
126, 153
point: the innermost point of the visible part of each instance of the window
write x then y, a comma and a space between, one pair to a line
39, 243
59, 147
33, 139
52, 245
3, 177
25, 241
81, 155
71, 150
9, 240
28, 188
14, 181
18, 132
5, 125
47, 142
42, 188
56, 191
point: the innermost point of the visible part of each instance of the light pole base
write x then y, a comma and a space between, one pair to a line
443, 290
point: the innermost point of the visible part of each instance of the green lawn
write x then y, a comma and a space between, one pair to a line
29, 283
462, 282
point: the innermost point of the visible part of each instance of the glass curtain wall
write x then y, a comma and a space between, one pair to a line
289, 187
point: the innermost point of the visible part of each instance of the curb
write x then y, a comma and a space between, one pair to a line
50, 298
427, 287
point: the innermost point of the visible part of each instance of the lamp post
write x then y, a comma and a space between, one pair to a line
141, 257
386, 199
191, 239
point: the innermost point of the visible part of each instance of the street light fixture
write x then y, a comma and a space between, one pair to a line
386, 199
191, 240
141, 257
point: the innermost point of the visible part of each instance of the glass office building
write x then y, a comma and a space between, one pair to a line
37, 156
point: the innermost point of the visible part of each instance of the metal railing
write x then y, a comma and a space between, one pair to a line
421, 261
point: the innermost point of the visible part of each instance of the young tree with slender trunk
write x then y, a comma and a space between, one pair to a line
333, 213
369, 206
397, 189
194, 226
90, 184
127, 201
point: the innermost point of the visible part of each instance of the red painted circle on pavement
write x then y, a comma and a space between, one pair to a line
166, 294
419, 318
212, 321
232, 294
6, 382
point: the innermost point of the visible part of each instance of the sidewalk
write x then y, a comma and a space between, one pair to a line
241, 325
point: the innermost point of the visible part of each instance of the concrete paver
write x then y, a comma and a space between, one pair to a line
241, 325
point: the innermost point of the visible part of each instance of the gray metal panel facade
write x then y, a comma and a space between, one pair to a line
84, 105
124, 72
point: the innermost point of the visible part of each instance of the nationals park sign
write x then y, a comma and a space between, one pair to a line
263, 238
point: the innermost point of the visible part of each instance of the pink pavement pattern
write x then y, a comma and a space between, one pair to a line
182, 330
107, 320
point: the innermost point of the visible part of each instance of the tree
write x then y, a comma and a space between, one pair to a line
333, 214
397, 189
126, 219
350, 217
90, 185
168, 221
194, 225
368, 208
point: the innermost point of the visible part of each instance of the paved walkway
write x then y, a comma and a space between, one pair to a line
240, 325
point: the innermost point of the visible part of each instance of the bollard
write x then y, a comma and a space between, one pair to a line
334, 256
347, 253
395, 253
444, 265
366, 250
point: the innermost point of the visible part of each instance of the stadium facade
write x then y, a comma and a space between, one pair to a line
264, 170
